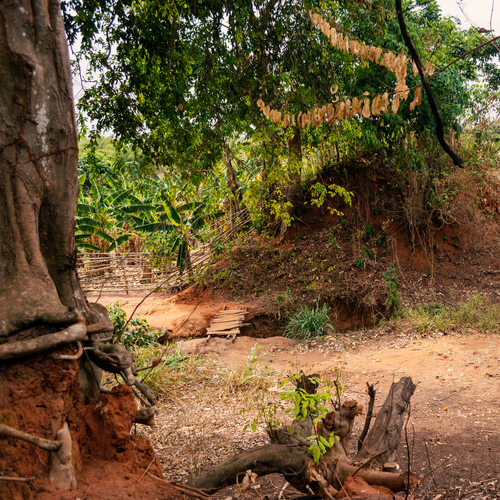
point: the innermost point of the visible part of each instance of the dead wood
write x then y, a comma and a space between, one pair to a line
28, 347
45, 444
371, 392
288, 453
386, 432
265, 460
145, 416
395, 482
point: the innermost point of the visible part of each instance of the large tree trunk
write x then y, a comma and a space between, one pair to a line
47, 393
38, 170
287, 453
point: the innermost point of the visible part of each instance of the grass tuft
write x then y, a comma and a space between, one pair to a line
307, 323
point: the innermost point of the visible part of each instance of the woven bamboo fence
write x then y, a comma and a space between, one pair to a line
140, 271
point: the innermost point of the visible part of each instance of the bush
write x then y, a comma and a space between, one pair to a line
138, 332
307, 323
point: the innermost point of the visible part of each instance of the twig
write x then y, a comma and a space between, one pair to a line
17, 479
371, 393
146, 471
283, 490
434, 470
166, 348
366, 462
457, 161
140, 398
430, 466
81, 473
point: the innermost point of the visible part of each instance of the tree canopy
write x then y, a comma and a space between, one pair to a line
180, 80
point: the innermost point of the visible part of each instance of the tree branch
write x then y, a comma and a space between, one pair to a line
457, 161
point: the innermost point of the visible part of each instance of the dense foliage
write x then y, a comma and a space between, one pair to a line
178, 82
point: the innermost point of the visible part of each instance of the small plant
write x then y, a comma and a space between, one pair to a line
307, 323
368, 231
137, 333
360, 262
304, 406
381, 238
474, 313
332, 241
243, 377
391, 280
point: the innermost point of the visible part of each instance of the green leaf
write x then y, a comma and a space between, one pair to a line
87, 221
190, 206
131, 209
254, 427
119, 241
80, 237
88, 246
117, 198
85, 208
324, 441
155, 226
81, 180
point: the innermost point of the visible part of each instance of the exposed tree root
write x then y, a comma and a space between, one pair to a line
45, 444
24, 348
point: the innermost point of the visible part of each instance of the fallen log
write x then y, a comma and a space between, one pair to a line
288, 452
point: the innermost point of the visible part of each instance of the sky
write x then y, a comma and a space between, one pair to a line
478, 13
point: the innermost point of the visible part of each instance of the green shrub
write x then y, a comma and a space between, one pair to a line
137, 333
307, 323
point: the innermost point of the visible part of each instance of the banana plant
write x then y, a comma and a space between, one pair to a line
181, 221
98, 215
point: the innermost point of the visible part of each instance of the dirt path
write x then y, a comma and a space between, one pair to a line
455, 413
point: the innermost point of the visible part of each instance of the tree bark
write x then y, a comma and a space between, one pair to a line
38, 169
386, 432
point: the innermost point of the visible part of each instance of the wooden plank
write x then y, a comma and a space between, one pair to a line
232, 315
221, 330
225, 334
227, 326
231, 311
227, 320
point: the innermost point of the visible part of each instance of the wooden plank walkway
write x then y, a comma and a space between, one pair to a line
227, 322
